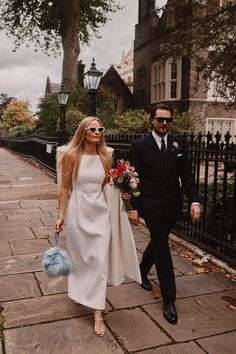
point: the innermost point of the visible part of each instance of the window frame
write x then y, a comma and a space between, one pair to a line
223, 131
166, 83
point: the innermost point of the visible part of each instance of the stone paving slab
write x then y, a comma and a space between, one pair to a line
16, 234
15, 287
142, 245
5, 225
181, 348
46, 231
24, 211
51, 208
20, 264
5, 249
9, 205
183, 265
48, 221
33, 191
206, 284
30, 246
38, 203
42, 309
51, 286
27, 216
73, 336
5, 212
129, 295
140, 236
208, 316
221, 344
144, 332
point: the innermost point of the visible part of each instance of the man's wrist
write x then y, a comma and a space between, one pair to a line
195, 203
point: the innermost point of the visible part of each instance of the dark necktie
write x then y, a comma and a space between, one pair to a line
163, 149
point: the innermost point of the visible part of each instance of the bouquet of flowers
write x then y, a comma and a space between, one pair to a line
124, 177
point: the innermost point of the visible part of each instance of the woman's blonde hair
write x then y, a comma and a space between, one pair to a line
76, 146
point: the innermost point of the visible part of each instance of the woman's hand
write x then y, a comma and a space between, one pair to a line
58, 225
126, 196
133, 217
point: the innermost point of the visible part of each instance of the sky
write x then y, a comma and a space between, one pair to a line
23, 73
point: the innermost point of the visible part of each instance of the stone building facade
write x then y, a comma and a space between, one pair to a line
173, 81
125, 68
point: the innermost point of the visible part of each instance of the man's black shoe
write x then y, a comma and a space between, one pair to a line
170, 313
146, 284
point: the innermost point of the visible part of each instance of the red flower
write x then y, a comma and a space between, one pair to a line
124, 177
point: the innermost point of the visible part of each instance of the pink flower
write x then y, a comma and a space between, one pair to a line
124, 177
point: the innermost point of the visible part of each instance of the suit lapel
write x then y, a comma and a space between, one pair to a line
153, 150
170, 155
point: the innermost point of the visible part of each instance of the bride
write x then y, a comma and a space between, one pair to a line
99, 238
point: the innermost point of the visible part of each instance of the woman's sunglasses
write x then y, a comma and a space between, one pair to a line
96, 130
162, 119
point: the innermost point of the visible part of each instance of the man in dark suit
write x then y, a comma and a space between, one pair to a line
161, 162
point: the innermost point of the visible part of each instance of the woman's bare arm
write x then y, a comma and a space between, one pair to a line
67, 171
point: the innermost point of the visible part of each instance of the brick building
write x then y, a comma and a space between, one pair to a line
173, 81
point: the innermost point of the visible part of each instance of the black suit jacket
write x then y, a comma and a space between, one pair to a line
160, 185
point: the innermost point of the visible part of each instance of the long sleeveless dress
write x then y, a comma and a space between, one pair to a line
89, 232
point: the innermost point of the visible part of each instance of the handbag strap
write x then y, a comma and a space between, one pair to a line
57, 234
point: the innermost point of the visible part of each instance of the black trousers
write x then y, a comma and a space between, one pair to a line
158, 252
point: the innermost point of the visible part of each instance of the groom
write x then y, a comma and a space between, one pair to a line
161, 162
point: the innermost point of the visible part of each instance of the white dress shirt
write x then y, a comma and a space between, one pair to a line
158, 139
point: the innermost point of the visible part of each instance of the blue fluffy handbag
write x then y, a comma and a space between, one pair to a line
56, 261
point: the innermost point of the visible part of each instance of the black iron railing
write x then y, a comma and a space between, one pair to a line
38, 148
213, 162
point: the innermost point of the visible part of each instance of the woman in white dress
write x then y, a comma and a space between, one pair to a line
84, 167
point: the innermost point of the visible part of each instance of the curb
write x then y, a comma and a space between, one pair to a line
202, 253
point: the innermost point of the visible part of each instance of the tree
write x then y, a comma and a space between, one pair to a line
17, 114
205, 32
73, 119
133, 121
183, 123
5, 99
48, 115
107, 107
52, 24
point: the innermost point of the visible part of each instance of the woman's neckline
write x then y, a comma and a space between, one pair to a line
90, 155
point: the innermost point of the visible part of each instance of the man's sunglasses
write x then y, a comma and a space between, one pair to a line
96, 130
162, 119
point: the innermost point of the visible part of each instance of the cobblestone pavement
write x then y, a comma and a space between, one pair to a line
38, 317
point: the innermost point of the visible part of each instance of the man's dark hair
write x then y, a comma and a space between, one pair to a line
163, 106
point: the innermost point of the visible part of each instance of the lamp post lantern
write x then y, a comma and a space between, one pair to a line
62, 98
92, 79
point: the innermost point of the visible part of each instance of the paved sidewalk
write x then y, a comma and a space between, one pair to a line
37, 317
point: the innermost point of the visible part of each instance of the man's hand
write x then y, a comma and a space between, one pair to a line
195, 212
133, 217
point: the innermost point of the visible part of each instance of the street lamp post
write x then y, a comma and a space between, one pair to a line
62, 98
92, 79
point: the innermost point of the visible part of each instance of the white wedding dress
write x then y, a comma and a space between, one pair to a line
99, 238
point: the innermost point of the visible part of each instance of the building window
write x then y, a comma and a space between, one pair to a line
222, 126
166, 80
170, 17
158, 87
